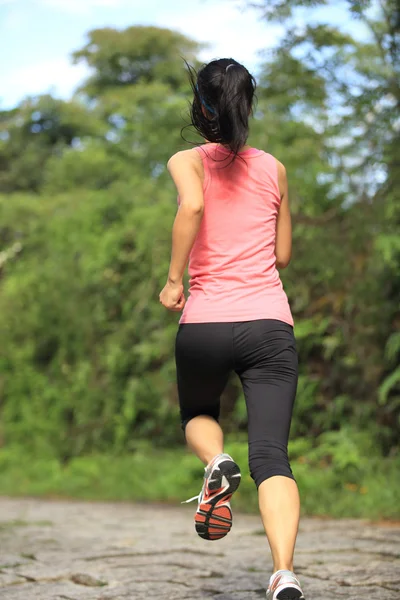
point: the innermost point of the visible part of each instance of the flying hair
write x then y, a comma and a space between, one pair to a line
223, 95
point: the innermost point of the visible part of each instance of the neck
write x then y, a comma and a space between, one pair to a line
242, 149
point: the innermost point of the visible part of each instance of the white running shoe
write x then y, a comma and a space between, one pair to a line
213, 518
284, 585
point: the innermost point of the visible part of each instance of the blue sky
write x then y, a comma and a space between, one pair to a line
37, 37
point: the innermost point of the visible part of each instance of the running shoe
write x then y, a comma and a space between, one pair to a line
284, 585
213, 518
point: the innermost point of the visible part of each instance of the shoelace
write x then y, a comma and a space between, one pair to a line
198, 495
192, 499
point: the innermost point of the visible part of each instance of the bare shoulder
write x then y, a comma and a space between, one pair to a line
281, 169
184, 157
282, 177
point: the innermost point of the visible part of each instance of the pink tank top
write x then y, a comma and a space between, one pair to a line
232, 269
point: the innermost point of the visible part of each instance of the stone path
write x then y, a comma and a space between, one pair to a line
62, 550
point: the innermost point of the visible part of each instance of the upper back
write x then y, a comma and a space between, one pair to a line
242, 195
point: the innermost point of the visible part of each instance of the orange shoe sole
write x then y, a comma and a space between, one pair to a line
213, 519
213, 522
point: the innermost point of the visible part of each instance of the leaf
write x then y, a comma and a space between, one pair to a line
392, 348
387, 386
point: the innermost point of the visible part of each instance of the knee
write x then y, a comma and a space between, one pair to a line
268, 458
212, 415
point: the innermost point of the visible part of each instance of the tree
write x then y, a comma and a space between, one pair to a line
128, 114
140, 90
36, 130
136, 55
347, 253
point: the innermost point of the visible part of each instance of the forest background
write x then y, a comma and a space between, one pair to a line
88, 400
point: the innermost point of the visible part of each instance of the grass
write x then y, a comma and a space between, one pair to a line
334, 482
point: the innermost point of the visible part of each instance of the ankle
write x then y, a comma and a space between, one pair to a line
211, 457
282, 566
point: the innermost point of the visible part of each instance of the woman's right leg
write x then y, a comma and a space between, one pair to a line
267, 366
279, 504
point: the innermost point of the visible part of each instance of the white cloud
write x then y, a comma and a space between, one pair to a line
230, 32
56, 75
83, 6
227, 30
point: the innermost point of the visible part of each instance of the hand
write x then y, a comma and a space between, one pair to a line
172, 296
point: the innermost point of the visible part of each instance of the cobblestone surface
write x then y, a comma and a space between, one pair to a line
65, 550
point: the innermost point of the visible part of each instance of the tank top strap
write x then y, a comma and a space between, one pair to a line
204, 158
272, 166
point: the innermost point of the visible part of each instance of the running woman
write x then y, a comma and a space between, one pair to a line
233, 225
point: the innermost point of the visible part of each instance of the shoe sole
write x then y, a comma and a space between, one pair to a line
213, 519
290, 594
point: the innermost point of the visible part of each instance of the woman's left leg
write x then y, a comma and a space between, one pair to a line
203, 354
204, 437
204, 362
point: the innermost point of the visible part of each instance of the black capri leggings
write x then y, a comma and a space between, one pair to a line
263, 354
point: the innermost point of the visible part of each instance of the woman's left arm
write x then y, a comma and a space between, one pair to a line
186, 170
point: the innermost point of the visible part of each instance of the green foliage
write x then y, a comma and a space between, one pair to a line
91, 166
340, 475
38, 129
330, 103
282, 9
131, 113
135, 55
98, 359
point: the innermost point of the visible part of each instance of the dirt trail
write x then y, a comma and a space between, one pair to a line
64, 550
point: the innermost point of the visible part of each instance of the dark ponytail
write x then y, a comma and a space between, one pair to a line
223, 99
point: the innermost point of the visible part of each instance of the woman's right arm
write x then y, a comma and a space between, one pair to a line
283, 243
